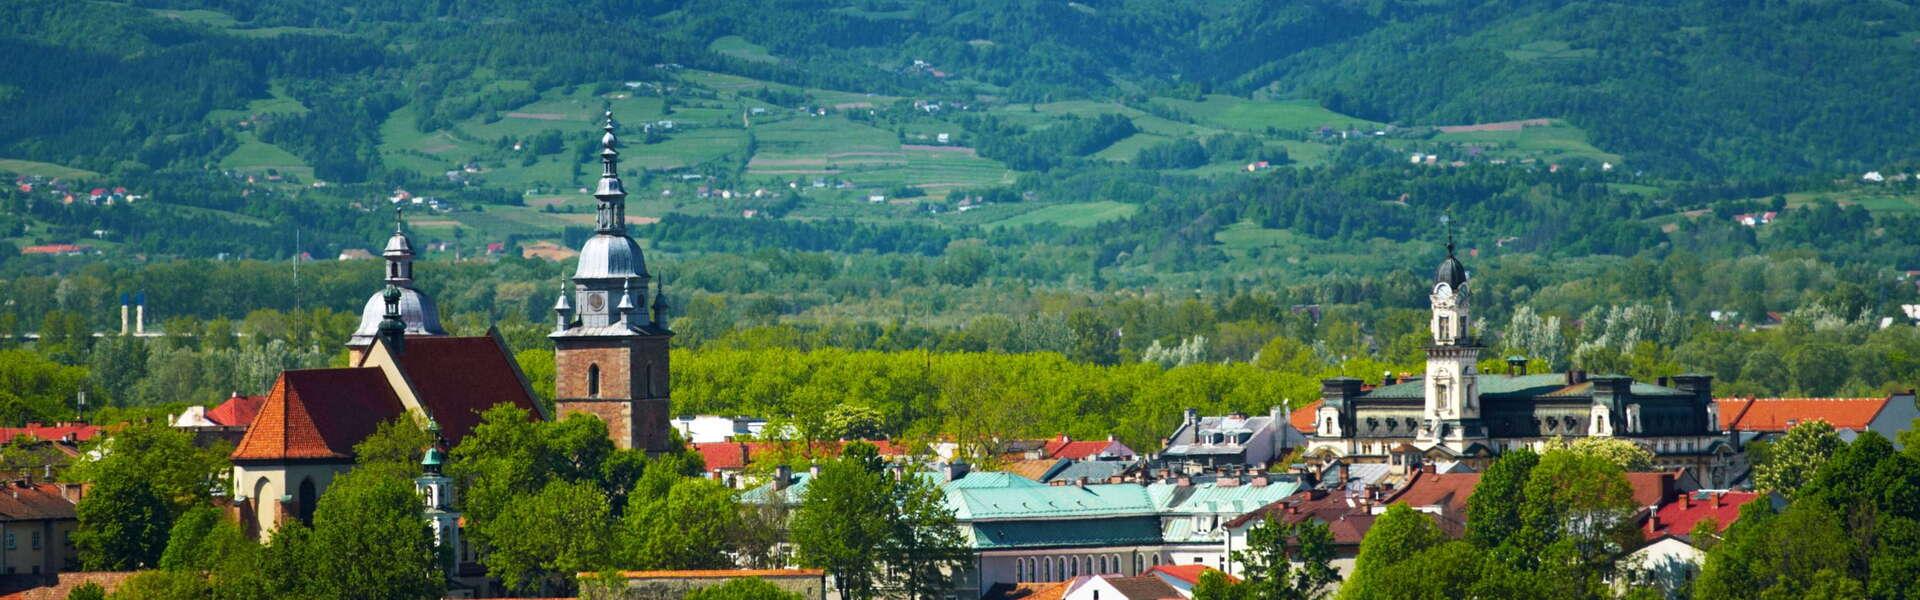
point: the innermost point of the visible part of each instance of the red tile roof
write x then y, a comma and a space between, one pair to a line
715, 573
22, 501
1446, 490
1071, 449
57, 432
237, 411
457, 378
319, 414
1031, 590
1780, 414
1302, 418
53, 249
1689, 508
735, 456
1649, 489
109, 580
1187, 573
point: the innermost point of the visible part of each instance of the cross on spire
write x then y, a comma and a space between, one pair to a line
611, 215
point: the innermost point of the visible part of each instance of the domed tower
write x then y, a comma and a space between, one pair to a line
610, 355
416, 309
1452, 412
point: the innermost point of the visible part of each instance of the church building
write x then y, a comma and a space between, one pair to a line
611, 363
1454, 413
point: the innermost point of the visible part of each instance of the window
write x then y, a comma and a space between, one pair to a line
1446, 331
1440, 394
593, 381
35, 540
10, 540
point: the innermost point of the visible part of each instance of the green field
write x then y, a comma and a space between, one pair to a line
738, 47
1556, 142
256, 155
1078, 214
1230, 112
28, 167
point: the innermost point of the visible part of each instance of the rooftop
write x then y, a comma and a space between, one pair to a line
319, 414
1689, 508
1780, 414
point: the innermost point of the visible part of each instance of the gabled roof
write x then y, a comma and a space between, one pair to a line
319, 414
1302, 418
1071, 449
1037, 469
1031, 590
1650, 489
22, 501
1689, 508
720, 456
457, 378
237, 411
1446, 490
57, 432
1781, 414
1138, 587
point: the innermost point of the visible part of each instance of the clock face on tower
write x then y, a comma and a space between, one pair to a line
596, 301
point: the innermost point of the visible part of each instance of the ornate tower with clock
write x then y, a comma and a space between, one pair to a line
610, 354
1452, 410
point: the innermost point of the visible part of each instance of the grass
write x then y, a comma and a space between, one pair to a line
738, 47
256, 155
1556, 142
28, 167
1078, 214
1230, 112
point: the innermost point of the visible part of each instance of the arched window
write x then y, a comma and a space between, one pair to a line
1103, 564
593, 381
307, 498
261, 505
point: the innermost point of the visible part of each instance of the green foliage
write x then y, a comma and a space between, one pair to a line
1397, 535
163, 585
744, 588
1582, 500
1792, 461
841, 525
394, 449
144, 478
1287, 561
33, 388
691, 527
541, 542
87, 591
1493, 511
370, 541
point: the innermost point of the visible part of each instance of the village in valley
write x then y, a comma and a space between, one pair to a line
1657, 469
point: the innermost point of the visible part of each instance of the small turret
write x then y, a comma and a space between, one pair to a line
562, 310
626, 306
660, 305
392, 329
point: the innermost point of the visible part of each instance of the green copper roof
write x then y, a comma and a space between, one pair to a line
1493, 385
1124, 531
1211, 498
1047, 501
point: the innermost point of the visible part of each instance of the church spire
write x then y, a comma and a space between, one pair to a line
611, 216
399, 253
392, 329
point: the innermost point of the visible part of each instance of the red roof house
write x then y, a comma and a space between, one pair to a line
68, 433
1071, 449
1776, 415
1690, 508
237, 411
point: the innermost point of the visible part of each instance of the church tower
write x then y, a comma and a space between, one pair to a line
610, 355
416, 310
1452, 410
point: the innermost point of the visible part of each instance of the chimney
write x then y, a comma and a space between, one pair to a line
1259, 481
123, 314
1293, 509
1345, 475
1080, 482
1387, 378
1227, 482
1191, 416
957, 469
140, 313
72, 492
1686, 500
1516, 365
1184, 481
813, 470
1660, 381
1716, 498
1653, 521
1429, 468
782, 477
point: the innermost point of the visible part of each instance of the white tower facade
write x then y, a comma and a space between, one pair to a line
1452, 391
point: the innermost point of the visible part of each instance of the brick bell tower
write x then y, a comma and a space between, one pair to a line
610, 354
